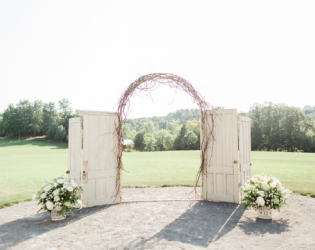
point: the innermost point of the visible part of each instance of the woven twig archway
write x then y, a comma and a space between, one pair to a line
148, 83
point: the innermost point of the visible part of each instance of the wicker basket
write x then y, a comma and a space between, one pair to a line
55, 216
264, 213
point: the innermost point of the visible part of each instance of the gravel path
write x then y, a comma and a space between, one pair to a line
160, 225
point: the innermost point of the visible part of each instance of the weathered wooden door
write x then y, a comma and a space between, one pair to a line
75, 149
100, 147
220, 179
245, 148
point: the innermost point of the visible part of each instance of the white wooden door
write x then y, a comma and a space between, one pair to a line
75, 149
245, 148
99, 158
220, 179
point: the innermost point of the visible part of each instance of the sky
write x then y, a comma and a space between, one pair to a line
235, 53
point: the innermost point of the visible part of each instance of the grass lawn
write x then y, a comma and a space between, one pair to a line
24, 166
295, 170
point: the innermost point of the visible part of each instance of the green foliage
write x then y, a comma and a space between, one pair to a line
148, 127
262, 191
149, 141
52, 131
168, 142
60, 133
139, 145
127, 133
278, 127
190, 140
180, 143
37, 118
64, 193
162, 122
49, 115
160, 136
172, 126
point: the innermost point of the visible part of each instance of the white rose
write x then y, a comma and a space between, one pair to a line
70, 189
254, 179
49, 205
261, 193
265, 186
282, 189
43, 196
273, 184
56, 198
260, 201
34, 197
74, 184
61, 181
47, 188
55, 184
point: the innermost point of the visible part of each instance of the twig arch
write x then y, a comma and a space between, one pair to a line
148, 83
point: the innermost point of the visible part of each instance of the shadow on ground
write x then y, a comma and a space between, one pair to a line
15, 232
259, 226
207, 222
33, 142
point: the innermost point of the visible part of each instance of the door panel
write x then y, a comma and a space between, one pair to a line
220, 182
99, 154
75, 149
245, 148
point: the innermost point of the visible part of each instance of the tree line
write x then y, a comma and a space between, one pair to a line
278, 127
37, 119
274, 127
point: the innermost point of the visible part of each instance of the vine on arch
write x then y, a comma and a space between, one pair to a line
148, 83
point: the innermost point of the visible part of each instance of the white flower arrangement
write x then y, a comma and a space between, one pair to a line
262, 191
61, 192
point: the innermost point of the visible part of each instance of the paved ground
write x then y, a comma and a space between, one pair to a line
160, 225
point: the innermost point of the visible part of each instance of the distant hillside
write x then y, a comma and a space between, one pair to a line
309, 110
161, 122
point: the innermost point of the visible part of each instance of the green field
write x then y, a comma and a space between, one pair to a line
24, 166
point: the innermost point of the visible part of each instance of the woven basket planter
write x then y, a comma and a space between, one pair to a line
55, 216
264, 213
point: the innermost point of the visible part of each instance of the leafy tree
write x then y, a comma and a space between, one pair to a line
139, 145
168, 142
127, 133
194, 126
160, 137
49, 115
278, 127
60, 133
148, 127
190, 140
149, 141
36, 117
65, 112
172, 126
52, 131
179, 142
